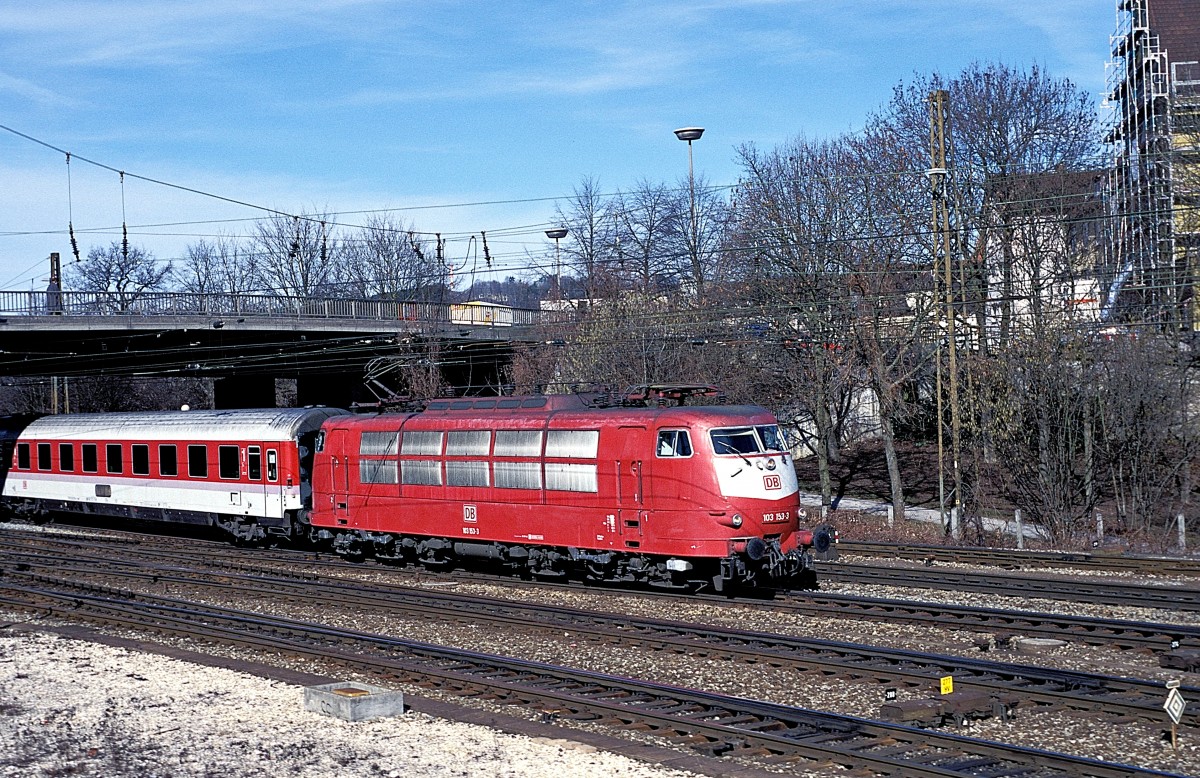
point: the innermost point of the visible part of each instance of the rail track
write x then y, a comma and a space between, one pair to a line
716, 724
1014, 559
844, 660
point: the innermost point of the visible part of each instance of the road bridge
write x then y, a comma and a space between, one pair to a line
246, 341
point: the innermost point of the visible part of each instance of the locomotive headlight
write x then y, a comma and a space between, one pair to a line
770, 464
736, 521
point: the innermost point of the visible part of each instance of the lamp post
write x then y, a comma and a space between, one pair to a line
557, 234
690, 134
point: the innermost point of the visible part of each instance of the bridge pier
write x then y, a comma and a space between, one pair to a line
335, 390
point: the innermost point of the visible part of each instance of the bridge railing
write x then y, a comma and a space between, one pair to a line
14, 303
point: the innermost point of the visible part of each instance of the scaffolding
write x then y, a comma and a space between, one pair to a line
1143, 283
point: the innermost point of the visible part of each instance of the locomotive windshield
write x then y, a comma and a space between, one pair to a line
747, 440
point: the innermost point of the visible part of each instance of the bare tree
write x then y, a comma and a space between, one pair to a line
222, 265
296, 256
644, 249
127, 272
387, 259
590, 246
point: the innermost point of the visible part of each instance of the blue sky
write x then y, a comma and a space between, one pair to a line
465, 117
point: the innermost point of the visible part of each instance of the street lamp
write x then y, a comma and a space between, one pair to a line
557, 234
690, 134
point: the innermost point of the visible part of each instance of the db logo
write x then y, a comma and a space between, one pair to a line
772, 482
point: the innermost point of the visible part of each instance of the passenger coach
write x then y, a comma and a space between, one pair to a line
245, 471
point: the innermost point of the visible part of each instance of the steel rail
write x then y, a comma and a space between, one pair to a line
718, 724
851, 661
1018, 559
1073, 589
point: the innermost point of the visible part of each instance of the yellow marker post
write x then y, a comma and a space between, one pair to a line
948, 684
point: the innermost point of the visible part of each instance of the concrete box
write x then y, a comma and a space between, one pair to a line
353, 701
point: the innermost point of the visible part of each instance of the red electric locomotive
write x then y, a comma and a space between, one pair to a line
696, 497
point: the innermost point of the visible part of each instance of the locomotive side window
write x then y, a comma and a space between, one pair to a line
421, 443
378, 444
377, 471
518, 443
272, 465
570, 477
168, 460
518, 475
23, 456
468, 443
572, 444
229, 463
113, 460
674, 443
466, 473
44, 462
254, 463
66, 457
197, 461
139, 458
91, 460
421, 472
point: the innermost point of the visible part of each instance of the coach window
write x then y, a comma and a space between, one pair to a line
197, 461
91, 461
44, 462
229, 464
168, 460
139, 458
272, 465
66, 457
113, 462
23, 456
674, 443
254, 463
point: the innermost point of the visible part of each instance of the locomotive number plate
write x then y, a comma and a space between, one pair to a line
770, 518
772, 482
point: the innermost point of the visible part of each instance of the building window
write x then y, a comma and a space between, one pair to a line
91, 458
66, 457
44, 460
139, 459
168, 460
197, 461
113, 460
229, 463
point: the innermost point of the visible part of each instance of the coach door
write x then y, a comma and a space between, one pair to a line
631, 485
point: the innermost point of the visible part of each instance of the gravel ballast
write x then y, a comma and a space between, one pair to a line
70, 707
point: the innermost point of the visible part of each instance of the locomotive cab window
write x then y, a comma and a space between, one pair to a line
168, 460
229, 463
91, 459
197, 461
44, 462
23, 456
735, 441
113, 459
674, 443
140, 459
66, 457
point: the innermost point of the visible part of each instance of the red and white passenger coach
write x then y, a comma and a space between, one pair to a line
245, 471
